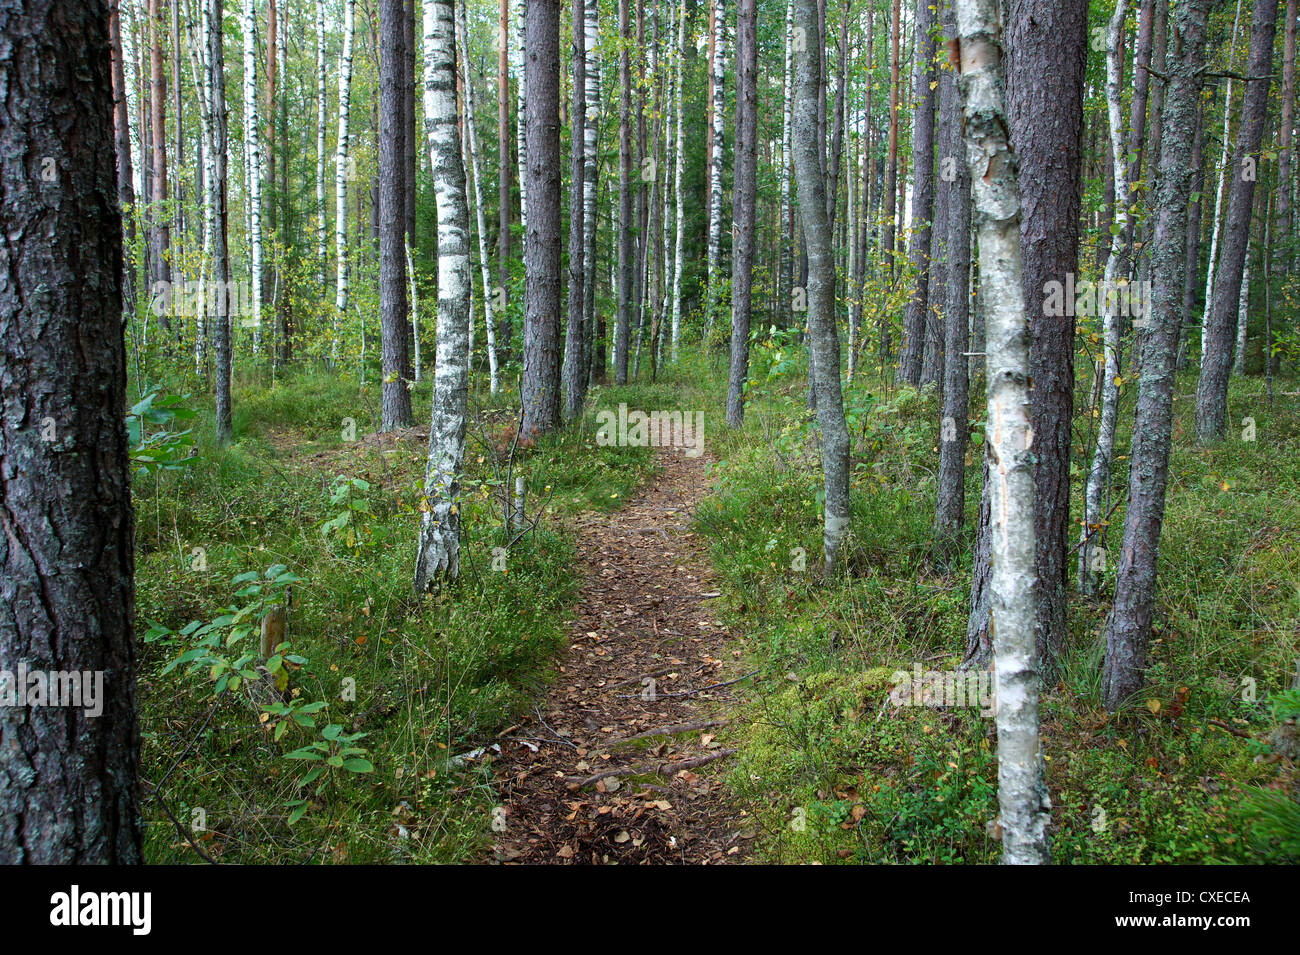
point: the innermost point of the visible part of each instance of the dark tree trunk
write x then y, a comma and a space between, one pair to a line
69, 787
219, 324
914, 320
1046, 56
540, 390
824, 340
1220, 331
160, 232
1137, 126
1192, 260
953, 287
743, 211
891, 168
1129, 627
395, 410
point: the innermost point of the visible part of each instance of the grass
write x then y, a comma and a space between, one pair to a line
423, 679
833, 771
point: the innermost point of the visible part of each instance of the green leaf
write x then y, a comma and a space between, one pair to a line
358, 765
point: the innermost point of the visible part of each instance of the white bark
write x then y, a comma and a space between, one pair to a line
438, 556
494, 381
341, 169
322, 106
1098, 483
679, 164
415, 307
1022, 795
521, 113
715, 166
253, 146
1223, 181
1243, 319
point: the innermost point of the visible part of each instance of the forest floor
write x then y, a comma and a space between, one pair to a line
619, 762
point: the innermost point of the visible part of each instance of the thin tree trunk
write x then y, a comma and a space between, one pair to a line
915, 321
504, 168
253, 146
679, 165
1212, 388
540, 390
824, 340
574, 381
1222, 190
342, 169
1193, 252
1128, 629
891, 170
494, 377
1286, 149
122, 147
219, 318
743, 211
1022, 793
626, 252
160, 231
1092, 557
395, 395
715, 162
591, 170
438, 556
69, 777
322, 109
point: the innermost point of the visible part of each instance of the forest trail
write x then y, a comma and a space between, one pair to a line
630, 737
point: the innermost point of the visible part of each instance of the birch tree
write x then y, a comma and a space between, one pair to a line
69, 778
215, 178
626, 254
785, 288
679, 165
809, 147
438, 555
719, 105
1128, 629
1091, 557
1022, 794
253, 147
342, 171
494, 377
1222, 190
322, 109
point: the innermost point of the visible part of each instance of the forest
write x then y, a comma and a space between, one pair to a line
649, 432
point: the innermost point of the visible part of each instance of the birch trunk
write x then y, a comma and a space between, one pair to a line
342, 170
1222, 189
438, 556
219, 317
322, 108
785, 231
718, 71
809, 148
679, 165
626, 253
253, 145
521, 113
494, 377
1091, 557
1022, 794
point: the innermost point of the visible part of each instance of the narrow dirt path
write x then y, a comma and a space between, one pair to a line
621, 763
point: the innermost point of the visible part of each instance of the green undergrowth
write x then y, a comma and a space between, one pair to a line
1193, 771
404, 684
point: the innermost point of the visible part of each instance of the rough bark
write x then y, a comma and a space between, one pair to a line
808, 148
1046, 59
591, 170
395, 395
914, 319
743, 211
718, 73
438, 556
1212, 388
341, 170
69, 787
540, 389
1129, 627
1022, 794
626, 251
504, 167
574, 380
